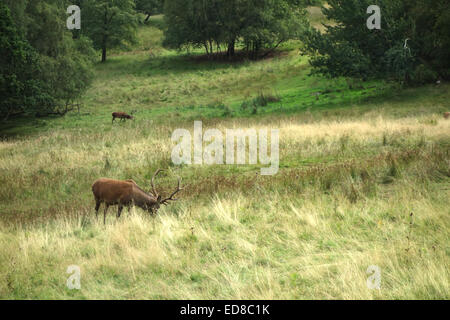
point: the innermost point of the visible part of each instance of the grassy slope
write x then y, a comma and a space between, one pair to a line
355, 163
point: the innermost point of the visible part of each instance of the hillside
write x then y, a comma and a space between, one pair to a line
364, 180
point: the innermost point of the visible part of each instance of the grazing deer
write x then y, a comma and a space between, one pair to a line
127, 193
121, 115
447, 115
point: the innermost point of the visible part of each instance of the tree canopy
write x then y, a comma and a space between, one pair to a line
109, 23
412, 46
19, 88
217, 25
43, 69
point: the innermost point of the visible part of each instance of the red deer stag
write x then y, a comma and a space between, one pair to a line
447, 115
121, 115
128, 193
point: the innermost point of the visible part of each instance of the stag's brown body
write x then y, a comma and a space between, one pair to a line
126, 194
447, 115
121, 116
122, 193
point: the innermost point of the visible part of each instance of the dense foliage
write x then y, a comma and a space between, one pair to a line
19, 87
412, 46
219, 25
43, 69
109, 23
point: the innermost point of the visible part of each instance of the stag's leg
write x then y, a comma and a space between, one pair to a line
114, 118
97, 206
104, 213
119, 212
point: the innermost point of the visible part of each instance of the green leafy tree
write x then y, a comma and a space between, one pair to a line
270, 23
65, 62
19, 87
109, 23
68, 76
219, 25
414, 36
430, 39
55, 68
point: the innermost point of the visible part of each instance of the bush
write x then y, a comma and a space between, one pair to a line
423, 74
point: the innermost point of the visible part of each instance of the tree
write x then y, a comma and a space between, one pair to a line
149, 7
68, 76
412, 44
44, 69
109, 23
270, 23
222, 24
430, 41
19, 87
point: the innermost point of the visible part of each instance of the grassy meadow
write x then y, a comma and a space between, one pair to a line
364, 180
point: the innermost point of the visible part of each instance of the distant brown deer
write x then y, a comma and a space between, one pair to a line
121, 115
447, 115
127, 193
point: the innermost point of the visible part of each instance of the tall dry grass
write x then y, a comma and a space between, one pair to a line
350, 194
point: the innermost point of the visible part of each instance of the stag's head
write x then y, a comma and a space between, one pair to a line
131, 115
158, 198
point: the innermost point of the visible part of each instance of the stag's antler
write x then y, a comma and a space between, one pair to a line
171, 198
155, 193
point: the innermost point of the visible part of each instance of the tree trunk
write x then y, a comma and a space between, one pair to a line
231, 49
255, 50
104, 53
105, 21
